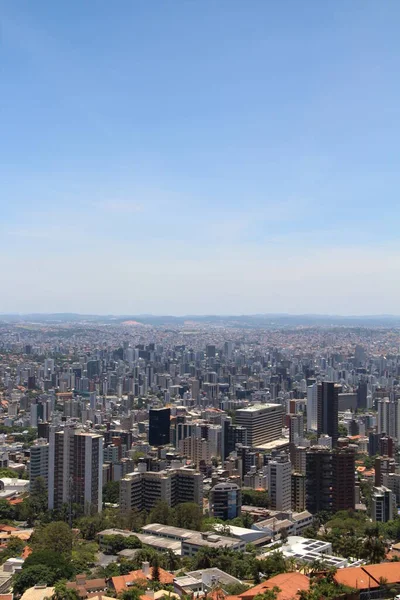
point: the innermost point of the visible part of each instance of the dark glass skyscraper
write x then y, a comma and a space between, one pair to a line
327, 410
159, 426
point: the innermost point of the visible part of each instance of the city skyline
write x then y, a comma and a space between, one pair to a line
228, 158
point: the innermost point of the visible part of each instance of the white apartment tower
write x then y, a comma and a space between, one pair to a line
262, 421
75, 469
312, 407
389, 418
280, 482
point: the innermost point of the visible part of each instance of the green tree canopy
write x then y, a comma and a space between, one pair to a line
7, 511
270, 594
188, 515
30, 576
56, 537
58, 563
61, 592
116, 543
6, 472
255, 498
111, 492
161, 513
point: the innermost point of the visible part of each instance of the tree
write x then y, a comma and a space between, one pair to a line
36, 505
255, 498
374, 546
61, 592
55, 537
83, 556
270, 594
7, 511
38, 493
247, 520
14, 548
116, 543
15, 545
59, 565
132, 594
7, 472
111, 492
137, 455
326, 588
155, 569
188, 515
160, 513
31, 576
173, 561
369, 462
284, 535
132, 519
273, 564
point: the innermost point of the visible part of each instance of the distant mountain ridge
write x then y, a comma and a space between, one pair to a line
257, 320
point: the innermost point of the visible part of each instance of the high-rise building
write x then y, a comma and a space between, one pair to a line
262, 421
280, 482
382, 501
210, 351
389, 417
197, 449
343, 479
225, 501
93, 368
380, 444
359, 356
298, 492
312, 407
233, 434
383, 466
159, 426
298, 458
383, 422
75, 469
319, 479
39, 462
328, 406
362, 392
386, 446
392, 481
296, 428
142, 490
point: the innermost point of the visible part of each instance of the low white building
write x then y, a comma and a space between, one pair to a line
200, 582
13, 485
308, 550
293, 522
249, 536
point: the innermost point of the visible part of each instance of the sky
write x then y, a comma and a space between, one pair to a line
200, 156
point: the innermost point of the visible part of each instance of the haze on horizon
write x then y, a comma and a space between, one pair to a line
199, 157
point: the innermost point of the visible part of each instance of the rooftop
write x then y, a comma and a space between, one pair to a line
256, 407
198, 538
290, 584
38, 592
178, 532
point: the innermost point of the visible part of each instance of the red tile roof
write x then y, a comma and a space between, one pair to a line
369, 576
355, 577
290, 585
121, 582
388, 571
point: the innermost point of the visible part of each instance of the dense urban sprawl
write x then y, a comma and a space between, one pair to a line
198, 459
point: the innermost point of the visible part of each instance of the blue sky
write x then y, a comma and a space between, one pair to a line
190, 156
